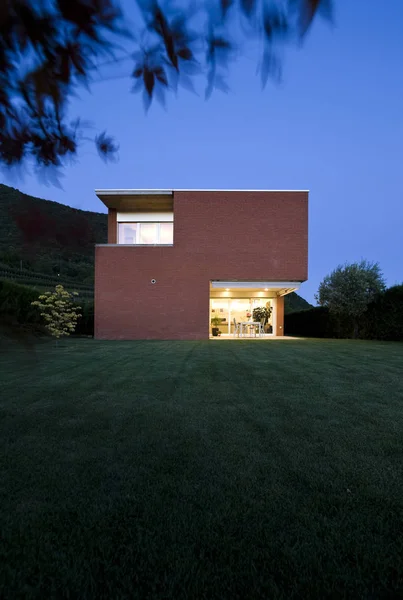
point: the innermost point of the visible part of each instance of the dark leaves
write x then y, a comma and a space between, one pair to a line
248, 6
149, 81
217, 43
89, 17
106, 146
219, 50
307, 10
38, 31
42, 85
59, 39
161, 76
12, 148
225, 6
158, 23
67, 145
185, 54
52, 142
138, 71
24, 20
72, 59
270, 67
150, 75
174, 35
49, 47
75, 11
220, 42
275, 24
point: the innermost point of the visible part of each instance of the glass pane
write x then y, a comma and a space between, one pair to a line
265, 303
148, 233
166, 233
261, 302
219, 308
240, 309
127, 233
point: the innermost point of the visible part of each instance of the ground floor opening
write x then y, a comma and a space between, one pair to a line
248, 309
235, 311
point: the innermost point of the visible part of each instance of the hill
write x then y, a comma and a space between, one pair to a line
294, 303
42, 242
48, 237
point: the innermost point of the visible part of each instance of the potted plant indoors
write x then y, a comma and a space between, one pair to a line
262, 312
215, 322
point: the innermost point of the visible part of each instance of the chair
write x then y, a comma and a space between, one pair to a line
253, 329
237, 328
261, 326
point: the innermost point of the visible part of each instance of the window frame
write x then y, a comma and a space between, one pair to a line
138, 225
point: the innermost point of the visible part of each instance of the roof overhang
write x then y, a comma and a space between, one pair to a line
281, 288
137, 200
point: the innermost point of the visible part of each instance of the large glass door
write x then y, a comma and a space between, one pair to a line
240, 309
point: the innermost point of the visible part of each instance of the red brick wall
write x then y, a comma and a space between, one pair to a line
217, 235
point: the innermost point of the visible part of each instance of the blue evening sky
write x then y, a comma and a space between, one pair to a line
334, 126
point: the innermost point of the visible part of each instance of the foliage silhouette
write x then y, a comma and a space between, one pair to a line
49, 48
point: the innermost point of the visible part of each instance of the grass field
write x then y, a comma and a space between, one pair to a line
176, 470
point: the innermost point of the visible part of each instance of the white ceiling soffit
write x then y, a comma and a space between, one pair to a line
271, 285
134, 192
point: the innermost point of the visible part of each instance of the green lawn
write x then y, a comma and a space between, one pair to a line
216, 469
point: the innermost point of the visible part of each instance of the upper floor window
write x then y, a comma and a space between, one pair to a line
146, 233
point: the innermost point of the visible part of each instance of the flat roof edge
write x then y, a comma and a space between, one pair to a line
232, 190
167, 192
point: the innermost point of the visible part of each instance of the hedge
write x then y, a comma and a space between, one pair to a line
384, 317
383, 320
15, 303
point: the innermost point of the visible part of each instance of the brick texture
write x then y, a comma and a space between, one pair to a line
217, 235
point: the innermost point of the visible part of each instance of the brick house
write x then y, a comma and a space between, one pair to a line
176, 258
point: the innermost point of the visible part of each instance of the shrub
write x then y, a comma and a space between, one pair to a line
85, 325
348, 291
16, 303
59, 311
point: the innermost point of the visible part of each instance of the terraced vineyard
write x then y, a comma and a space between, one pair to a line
43, 282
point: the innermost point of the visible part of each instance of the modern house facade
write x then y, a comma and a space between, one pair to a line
177, 258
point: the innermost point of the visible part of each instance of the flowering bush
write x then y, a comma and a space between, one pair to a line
58, 311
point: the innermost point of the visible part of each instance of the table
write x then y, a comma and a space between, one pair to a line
250, 324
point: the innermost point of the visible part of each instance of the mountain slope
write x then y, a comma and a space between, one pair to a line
48, 237
294, 303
